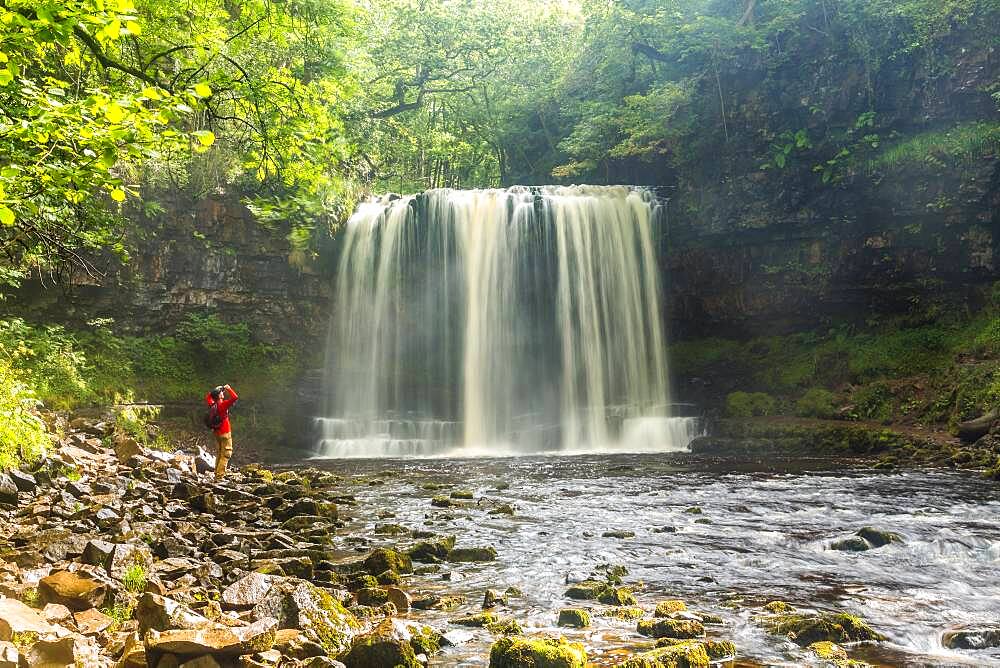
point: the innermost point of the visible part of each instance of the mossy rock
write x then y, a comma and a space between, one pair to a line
671, 628
513, 652
779, 607
389, 578
879, 537
479, 619
432, 551
425, 640
384, 559
361, 581
391, 530
805, 630
463, 494
382, 647
690, 654
717, 650
472, 554
434, 602
708, 618
588, 590
667, 608
828, 651
575, 617
373, 596
617, 596
626, 613
505, 627
502, 509
852, 544
694, 510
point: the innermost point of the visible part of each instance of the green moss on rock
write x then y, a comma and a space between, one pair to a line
384, 559
690, 654
670, 628
382, 647
833, 627
627, 613
575, 617
667, 608
779, 607
505, 627
828, 651
617, 596
479, 619
512, 652
473, 554
588, 590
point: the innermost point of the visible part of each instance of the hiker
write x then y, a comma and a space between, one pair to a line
219, 401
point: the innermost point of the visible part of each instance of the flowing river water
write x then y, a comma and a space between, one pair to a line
763, 534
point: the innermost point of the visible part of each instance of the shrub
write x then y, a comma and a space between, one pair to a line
816, 402
22, 433
749, 404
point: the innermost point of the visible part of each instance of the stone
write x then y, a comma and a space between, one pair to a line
588, 590
688, 654
466, 554
53, 653
432, 551
219, 642
10, 657
386, 645
126, 448
833, 627
55, 613
514, 652
852, 544
680, 629
398, 598
667, 608
125, 556
303, 606
618, 534
8, 490
373, 596
575, 617
294, 644
160, 613
985, 637
617, 596
92, 621
384, 559
96, 552
492, 598
16, 617
71, 590
480, 619
207, 661
828, 651
248, 591
25, 482
878, 537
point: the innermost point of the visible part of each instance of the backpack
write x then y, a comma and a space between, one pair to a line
213, 419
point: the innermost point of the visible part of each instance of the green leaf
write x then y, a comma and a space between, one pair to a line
118, 195
6, 216
114, 113
205, 137
202, 90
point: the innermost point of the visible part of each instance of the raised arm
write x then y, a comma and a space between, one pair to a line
232, 397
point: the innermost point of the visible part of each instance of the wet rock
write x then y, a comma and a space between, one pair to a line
807, 629
505, 627
492, 598
71, 590
16, 617
618, 596
778, 607
386, 645
690, 654
432, 551
503, 509
373, 596
852, 544
667, 608
588, 590
671, 628
384, 559
513, 652
479, 619
398, 598
436, 602
575, 617
248, 591
828, 651
629, 613
618, 534
294, 644
878, 537
472, 554
462, 494
303, 606
985, 637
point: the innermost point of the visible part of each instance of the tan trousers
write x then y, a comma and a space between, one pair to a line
223, 453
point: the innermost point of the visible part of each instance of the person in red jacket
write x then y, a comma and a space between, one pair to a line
223, 397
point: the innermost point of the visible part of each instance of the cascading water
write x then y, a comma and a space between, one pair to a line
499, 321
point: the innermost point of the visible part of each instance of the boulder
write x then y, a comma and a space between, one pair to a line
217, 642
384, 559
514, 652
984, 637
92, 621
125, 556
8, 490
617, 596
687, 654
973, 430
667, 608
161, 614
72, 590
96, 552
126, 448
432, 551
465, 554
248, 591
398, 598
53, 653
574, 617
9, 656
806, 629
386, 645
303, 606
16, 617
680, 629
25, 482
588, 590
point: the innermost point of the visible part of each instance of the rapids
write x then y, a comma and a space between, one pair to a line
766, 537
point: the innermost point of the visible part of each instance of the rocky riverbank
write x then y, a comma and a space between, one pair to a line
117, 555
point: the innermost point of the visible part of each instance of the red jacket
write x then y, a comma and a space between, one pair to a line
224, 407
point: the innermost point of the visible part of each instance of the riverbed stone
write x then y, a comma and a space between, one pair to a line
671, 628
669, 607
315, 612
805, 629
587, 590
385, 559
479, 619
386, 645
16, 617
516, 652
472, 554
617, 596
575, 617
160, 613
984, 637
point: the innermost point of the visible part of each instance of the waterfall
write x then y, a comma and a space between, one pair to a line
499, 321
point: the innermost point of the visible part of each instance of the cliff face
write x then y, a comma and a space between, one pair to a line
201, 256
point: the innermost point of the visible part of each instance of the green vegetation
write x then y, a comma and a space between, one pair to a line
22, 434
134, 579
964, 143
69, 368
749, 404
